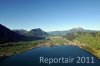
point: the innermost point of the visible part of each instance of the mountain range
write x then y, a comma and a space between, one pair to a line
32, 33
7, 35
62, 33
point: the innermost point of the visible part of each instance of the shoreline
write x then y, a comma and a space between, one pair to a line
89, 49
43, 43
93, 52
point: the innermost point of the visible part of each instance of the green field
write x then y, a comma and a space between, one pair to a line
89, 41
59, 40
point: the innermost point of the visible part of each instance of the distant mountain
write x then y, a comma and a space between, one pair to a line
37, 33
78, 29
73, 30
32, 33
7, 35
58, 33
20, 31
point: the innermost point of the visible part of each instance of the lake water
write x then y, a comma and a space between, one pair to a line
32, 57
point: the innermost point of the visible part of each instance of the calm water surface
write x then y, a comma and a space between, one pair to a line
32, 57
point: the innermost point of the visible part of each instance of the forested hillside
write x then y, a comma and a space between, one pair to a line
88, 38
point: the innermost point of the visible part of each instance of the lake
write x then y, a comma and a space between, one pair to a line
52, 56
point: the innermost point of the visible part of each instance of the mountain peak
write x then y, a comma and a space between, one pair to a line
37, 32
36, 29
77, 28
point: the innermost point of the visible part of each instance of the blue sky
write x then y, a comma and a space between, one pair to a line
50, 15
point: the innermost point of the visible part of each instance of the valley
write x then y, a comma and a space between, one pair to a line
19, 41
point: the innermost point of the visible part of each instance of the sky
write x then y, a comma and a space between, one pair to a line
50, 15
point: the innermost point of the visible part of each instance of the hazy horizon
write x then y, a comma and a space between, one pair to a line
51, 31
50, 15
